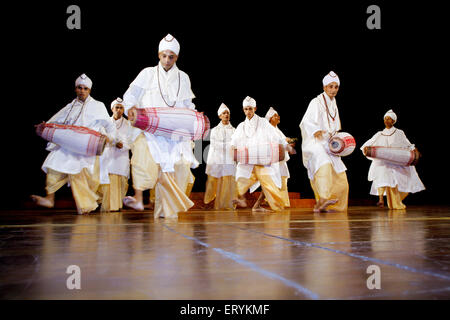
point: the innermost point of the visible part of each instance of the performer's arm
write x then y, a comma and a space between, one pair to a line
310, 122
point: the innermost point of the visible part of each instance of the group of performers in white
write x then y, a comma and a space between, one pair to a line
253, 155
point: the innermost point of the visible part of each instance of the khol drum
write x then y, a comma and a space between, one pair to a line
76, 139
172, 123
397, 156
260, 154
342, 144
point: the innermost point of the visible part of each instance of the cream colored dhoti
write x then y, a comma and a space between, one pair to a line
84, 186
144, 170
223, 190
112, 194
327, 184
146, 174
272, 193
284, 191
394, 197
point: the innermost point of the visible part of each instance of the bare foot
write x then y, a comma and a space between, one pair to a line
240, 203
261, 209
43, 201
380, 204
208, 206
327, 203
133, 203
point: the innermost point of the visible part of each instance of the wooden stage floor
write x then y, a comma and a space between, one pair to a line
227, 255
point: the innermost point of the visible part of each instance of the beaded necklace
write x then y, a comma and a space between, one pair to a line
159, 85
81, 110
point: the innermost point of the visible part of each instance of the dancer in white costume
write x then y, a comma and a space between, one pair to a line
63, 166
257, 131
326, 171
159, 162
388, 179
117, 160
274, 118
221, 167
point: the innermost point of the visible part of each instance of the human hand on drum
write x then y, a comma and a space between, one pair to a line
318, 135
365, 150
132, 113
119, 145
39, 128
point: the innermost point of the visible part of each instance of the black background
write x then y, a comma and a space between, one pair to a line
276, 52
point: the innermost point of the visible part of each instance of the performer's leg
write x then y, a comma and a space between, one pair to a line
144, 172
226, 192
210, 190
380, 202
322, 187
257, 205
339, 191
169, 198
272, 193
284, 191
84, 191
394, 199
183, 176
114, 193
53, 182
242, 185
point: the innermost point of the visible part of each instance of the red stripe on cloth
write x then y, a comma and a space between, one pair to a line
72, 127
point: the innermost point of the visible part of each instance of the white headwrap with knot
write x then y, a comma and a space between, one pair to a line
169, 43
391, 114
117, 101
270, 113
248, 101
329, 78
83, 80
222, 108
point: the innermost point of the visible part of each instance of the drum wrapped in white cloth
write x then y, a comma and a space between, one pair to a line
341, 144
76, 139
172, 123
396, 156
260, 154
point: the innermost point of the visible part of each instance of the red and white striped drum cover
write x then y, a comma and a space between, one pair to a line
261, 154
397, 156
342, 144
76, 139
171, 122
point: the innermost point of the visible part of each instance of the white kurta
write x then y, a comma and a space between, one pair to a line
314, 151
117, 161
145, 92
252, 132
91, 114
384, 174
220, 161
279, 166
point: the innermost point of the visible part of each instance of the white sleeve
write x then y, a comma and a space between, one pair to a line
310, 122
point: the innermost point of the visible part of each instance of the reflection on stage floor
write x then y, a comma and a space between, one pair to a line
295, 254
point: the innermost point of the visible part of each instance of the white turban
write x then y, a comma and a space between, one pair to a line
169, 43
391, 114
222, 108
249, 102
117, 101
270, 113
329, 78
83, 80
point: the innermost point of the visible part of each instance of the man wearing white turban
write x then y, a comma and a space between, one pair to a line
274, 119
220, 164
394, 181
325, 170
157, 162
255, 131
63, 166
116, 158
